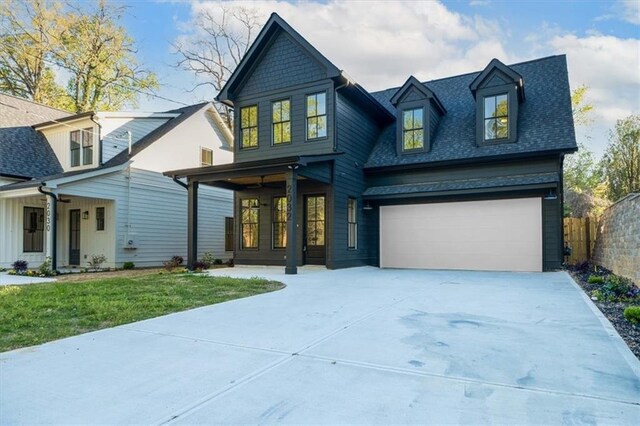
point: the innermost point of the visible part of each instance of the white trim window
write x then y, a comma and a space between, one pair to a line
206, 156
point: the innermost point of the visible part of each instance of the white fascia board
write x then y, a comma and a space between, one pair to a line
54, 183
18, 193
127, 114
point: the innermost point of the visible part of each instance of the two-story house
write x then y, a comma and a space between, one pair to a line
456, 173
74, 186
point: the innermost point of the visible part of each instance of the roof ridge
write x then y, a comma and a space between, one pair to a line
34, 102
475, 72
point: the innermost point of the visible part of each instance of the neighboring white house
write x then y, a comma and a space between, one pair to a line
73, 186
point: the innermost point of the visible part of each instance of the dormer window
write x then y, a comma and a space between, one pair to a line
81, 146
413, 129
418, 112
496, 117
249, 127
498, 91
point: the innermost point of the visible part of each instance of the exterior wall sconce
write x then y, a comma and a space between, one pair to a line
551, 195
367, 206
85, 215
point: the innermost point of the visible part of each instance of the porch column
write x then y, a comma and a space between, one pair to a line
292, 223
192, 223
51, 229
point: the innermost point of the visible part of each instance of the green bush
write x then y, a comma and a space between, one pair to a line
632, 314
128, 265
595, 279
207, 259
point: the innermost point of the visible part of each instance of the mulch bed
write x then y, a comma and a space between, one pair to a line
612, 310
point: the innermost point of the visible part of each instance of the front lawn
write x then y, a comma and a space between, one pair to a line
38, 313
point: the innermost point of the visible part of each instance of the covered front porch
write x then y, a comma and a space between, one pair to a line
275, 199
37, 224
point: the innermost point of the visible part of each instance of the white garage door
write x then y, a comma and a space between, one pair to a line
495, 235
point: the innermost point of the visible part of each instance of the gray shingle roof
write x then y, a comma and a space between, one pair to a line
463, 184
545, 121
23, 151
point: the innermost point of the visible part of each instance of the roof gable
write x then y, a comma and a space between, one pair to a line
412, 89
276, 34
496, 74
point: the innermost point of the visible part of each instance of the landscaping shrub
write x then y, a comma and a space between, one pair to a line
632, 314
200, 266
217, 261
582, 266
128, 265
208, 259
177, 259
45, 269
595, 279
20, 266
96, 261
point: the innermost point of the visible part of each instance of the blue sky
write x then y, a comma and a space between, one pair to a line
375, 43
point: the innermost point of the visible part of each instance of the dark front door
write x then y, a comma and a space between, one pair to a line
314, 226
74, 237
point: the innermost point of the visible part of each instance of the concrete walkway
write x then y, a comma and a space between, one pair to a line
6, 279
359, 345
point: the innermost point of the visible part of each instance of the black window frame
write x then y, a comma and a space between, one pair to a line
101, 218
229, 234
279, 220
413, 130
352, 223
494, 116
316, 116
75, 152
251, 128
34, 233
256, 224
282, 122
512, 102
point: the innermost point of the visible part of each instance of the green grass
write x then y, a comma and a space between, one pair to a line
38, 313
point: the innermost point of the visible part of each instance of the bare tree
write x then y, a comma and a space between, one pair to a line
222, 38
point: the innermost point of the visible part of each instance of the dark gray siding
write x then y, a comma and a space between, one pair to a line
356, 134
299, 145
283, 64
552, 234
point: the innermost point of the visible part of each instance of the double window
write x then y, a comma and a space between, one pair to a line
33, 230
317, 116
413, 129
250, 216
281, 121
206, 157
249, 127
279, 224
352, 223
81, 146
496, 117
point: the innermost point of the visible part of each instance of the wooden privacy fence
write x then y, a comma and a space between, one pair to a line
580, 237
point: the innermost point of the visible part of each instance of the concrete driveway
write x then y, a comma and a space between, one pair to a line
352, 346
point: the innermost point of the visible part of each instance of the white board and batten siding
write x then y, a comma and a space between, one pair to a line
59, 139
492, 235
11, 231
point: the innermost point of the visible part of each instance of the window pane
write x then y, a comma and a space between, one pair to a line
253, 116
490, 129
286, 110
250, 219
418, 139
277, 133
417, 118
321, 103
244, 118
33, 230
502, 107
489, 106
312, 128
99, 218
277, 112
286, 131
407, 120
322, 126
312, 106
502, 128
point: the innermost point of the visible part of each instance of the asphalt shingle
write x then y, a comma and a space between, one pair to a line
545, 121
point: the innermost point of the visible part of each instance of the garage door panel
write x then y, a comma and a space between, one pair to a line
479, 235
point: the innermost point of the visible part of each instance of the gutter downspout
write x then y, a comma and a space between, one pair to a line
335, 112
99, 138
54, 226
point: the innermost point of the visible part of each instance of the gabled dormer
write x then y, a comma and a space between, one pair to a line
498, 91
418, 113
